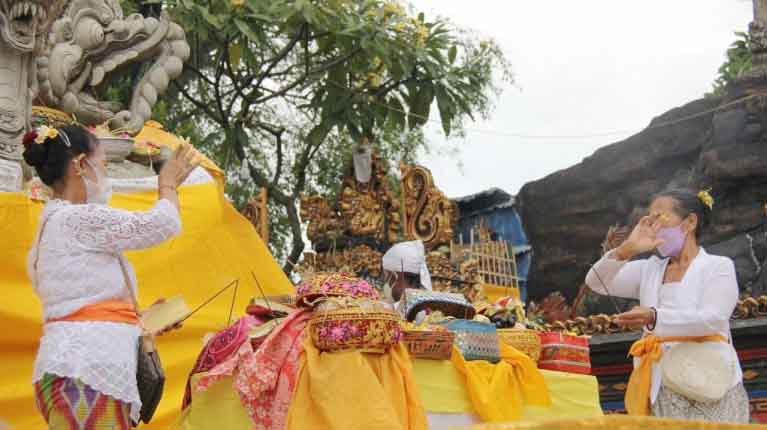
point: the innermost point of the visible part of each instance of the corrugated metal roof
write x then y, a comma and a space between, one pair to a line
484, 201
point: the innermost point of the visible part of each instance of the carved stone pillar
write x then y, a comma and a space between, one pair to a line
15, 106
23, 27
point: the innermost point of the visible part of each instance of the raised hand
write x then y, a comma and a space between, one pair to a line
178, 167
642, 238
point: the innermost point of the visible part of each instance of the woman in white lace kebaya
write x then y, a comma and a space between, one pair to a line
685, 366
85, 371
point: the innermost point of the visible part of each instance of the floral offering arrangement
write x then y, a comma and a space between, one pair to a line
324, 285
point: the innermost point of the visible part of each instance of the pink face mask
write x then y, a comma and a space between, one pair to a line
673, 241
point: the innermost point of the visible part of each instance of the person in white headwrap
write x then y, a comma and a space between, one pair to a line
404, 266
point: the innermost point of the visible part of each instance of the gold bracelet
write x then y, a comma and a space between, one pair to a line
168, 186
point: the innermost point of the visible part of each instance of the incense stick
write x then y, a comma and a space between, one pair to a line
206, 302
234, 299
258, 284
607, 292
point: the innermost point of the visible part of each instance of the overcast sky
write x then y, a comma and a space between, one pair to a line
581, 67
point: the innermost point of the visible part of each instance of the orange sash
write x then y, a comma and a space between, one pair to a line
109, 310
649, 350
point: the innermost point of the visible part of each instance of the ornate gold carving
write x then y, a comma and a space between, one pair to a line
257, 212
429, 214
362, 260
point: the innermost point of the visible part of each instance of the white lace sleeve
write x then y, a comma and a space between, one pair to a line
115, 230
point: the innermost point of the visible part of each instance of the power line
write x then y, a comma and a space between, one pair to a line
581, 136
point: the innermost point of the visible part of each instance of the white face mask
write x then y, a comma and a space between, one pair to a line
99, 192
387, 293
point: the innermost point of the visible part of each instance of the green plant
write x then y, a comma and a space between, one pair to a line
738, 61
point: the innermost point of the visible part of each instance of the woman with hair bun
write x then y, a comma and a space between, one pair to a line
85, 369
685, 365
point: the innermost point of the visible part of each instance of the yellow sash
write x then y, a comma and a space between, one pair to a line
649, 351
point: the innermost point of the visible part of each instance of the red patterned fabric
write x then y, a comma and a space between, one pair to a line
222, 346
265, 379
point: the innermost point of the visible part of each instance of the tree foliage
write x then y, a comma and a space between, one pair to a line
280, 91
738, 61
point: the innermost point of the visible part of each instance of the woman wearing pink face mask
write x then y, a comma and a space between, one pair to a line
85, 370
685, 365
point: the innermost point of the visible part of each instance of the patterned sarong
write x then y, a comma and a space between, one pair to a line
69, 404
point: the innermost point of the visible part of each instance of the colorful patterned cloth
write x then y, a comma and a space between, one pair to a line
69, 404
222, 346
265, 379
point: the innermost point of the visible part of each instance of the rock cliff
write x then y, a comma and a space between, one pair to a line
706, 143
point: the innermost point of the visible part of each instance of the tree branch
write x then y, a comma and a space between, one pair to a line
198, 104
280, 56
325, 67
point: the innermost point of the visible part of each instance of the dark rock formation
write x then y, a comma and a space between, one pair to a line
706, 143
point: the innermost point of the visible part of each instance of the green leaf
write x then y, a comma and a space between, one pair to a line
420, 106
397, 113
451, 54
209, 17
235, 55
446, 110
246, 30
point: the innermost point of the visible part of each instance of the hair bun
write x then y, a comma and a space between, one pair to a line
36, 154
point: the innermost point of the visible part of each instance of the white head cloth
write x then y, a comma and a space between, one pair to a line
363, 164
408, 257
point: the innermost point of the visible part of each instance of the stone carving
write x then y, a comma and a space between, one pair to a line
22, 26
90, 41
429, 214
87, 40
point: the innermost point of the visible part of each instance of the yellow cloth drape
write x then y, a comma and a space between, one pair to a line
218, 407
498, 391
441, 388
217, 245
649, 351
352, 390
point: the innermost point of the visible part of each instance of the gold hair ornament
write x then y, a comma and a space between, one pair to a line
45, 132
706, 199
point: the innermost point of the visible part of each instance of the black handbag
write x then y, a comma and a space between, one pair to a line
150, 376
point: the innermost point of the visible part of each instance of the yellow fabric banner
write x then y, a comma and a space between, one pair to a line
217, 246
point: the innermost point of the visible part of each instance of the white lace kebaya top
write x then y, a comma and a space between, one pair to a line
79, 264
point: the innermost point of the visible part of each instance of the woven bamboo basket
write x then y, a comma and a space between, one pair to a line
434, 345
355, 328
526, 341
